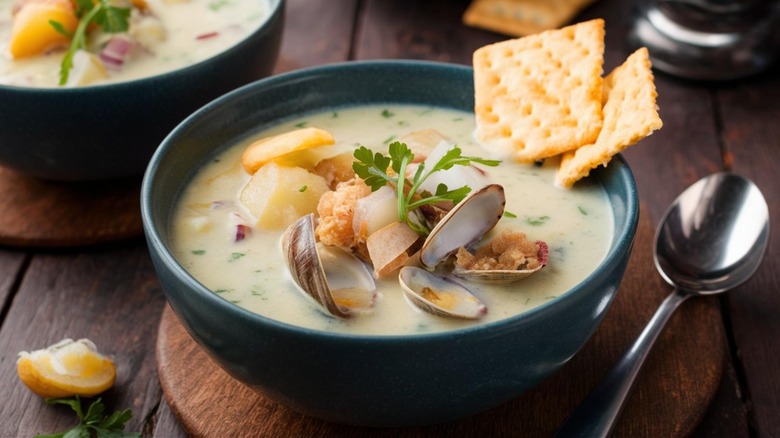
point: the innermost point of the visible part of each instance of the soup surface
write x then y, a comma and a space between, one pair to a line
181, 33
576, 224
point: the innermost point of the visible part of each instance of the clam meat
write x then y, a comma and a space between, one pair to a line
439, 295
335, 279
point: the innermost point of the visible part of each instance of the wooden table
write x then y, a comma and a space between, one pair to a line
109, 292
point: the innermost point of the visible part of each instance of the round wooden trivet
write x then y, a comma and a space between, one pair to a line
52, 214
673, 390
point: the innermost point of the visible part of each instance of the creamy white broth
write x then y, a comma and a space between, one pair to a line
194, 30
576, 224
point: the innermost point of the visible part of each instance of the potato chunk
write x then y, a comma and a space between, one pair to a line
31, 32
283, 146
277, 195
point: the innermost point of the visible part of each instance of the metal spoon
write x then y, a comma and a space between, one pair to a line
711, 239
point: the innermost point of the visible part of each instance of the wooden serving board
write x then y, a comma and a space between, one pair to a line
36, 213
673, 390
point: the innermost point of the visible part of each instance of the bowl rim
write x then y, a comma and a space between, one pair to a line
275, 9
621, 243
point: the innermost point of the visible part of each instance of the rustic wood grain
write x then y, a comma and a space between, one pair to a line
10, 265
48, 214
429, 30
316, 32
751, 135
681, 376
110, 296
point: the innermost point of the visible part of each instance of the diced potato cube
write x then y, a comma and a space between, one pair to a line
277, 196
31, 32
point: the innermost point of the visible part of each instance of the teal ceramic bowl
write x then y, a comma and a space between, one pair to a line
111, 131
369, 380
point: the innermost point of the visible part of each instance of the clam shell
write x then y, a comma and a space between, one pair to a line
501, 276
440, 296
466, 223
351, 287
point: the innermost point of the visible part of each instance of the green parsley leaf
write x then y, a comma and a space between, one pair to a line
536, 221
371, 168
303, 188
94, 423
509, 214
387, 114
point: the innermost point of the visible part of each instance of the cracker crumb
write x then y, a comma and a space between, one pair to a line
336, 210
509, 251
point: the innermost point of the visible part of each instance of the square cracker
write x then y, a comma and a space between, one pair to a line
630, 114
540, 95
521, 17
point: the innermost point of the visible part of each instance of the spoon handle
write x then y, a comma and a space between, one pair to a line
597, 415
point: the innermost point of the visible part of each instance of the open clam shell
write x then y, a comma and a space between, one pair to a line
438, 295
466, 223
503, 276
335, 279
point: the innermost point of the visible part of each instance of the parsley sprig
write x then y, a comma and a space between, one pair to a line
111, 19
94, 423
372, 168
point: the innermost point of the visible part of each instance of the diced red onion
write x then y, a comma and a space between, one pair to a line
205, 36
242, 232
116, 51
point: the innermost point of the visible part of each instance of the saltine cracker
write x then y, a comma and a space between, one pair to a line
540, 95
630, 114
521, 17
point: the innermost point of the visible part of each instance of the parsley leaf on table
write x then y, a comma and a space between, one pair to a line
93, 423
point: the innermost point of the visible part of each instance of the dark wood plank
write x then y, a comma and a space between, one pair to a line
10, 266
751, 134
108, 295
316, 32
51, 214
429, 30
166, 424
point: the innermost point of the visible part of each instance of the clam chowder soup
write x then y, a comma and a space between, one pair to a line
145, 38
304, 225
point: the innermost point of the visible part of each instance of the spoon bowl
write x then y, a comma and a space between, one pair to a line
711, 239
